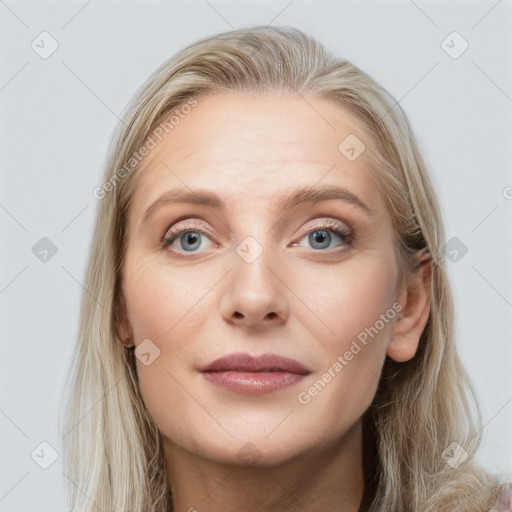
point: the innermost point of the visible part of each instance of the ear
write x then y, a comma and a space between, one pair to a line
414, 296
124, 328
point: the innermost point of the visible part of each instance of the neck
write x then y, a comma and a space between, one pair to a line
330, 478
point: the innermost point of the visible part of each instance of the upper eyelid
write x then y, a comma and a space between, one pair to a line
326, 219
178, 231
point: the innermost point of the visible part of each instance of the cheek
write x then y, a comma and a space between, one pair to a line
159, 300
350, 298
356, 305
164, 305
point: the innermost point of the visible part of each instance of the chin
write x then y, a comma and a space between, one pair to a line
255, 451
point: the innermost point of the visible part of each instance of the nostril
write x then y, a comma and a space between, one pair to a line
238, 315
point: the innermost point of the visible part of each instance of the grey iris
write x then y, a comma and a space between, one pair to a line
192, 237
321, 236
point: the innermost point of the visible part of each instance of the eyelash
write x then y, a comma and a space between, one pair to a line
346, 234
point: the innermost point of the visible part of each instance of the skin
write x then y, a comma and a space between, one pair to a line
299, 301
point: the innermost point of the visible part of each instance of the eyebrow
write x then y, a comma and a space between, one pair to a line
290, 200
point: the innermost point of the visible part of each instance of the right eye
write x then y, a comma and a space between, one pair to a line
187, 239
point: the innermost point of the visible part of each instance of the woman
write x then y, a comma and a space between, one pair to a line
267, 322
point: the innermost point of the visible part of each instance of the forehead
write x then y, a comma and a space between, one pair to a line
249, 149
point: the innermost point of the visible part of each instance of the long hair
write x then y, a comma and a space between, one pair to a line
424, 415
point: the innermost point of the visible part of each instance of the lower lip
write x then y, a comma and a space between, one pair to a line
252, 383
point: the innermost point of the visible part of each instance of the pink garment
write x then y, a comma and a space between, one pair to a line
504, 500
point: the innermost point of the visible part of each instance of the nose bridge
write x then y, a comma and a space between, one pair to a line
254, 292
253, 237
255, 261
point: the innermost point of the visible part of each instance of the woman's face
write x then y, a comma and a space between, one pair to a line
312, 280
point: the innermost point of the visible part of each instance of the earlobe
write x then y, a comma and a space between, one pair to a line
415, 300
124, 330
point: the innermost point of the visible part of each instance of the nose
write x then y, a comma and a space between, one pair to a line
254, 296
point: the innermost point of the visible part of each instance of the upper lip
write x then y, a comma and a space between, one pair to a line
241, 362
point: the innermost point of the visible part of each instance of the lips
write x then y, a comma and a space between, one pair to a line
246, 363
247, 375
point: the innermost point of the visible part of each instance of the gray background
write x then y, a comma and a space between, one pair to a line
57, 115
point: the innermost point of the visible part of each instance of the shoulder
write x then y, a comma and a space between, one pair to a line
504, 498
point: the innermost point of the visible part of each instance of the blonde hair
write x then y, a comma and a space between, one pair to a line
113, 456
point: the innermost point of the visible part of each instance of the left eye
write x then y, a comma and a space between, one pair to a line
321, 237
